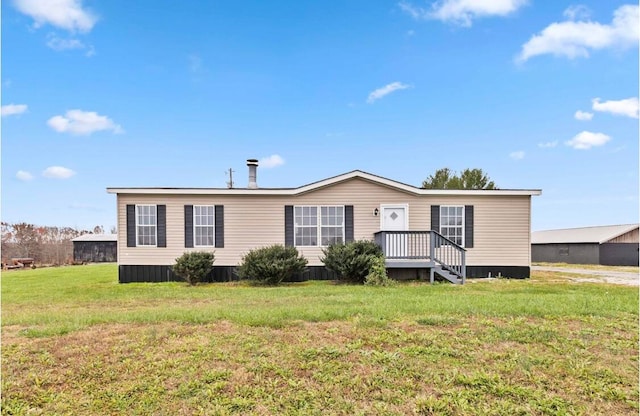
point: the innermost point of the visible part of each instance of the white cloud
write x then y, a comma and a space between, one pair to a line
387, 89
462, 12
90, 51
548, 145
413, 11
58, 172
12, 109
24, 175
271, 161
517, 155
574, 39
586, 140
627, 107
80, 122
577, 12
64, 14
583, 115
59, 44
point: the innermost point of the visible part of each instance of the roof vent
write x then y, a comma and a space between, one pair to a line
253, 167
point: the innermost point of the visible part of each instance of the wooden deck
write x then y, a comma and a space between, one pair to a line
423, 250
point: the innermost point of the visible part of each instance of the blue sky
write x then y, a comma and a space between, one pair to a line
115, 93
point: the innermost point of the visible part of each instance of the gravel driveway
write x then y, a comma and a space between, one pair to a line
596, 276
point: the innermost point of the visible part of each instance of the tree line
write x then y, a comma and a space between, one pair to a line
46, 245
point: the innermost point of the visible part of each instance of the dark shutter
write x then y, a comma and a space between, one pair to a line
435, 218
288, 225
162, 225
468, 226
188, 226
348, 223
131, 225
219, 221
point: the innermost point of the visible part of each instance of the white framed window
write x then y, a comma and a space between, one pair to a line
203, 225
452, 223
318, 226
305, 224
147, 225
331, 225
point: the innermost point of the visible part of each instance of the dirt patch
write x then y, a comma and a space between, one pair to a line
593, 276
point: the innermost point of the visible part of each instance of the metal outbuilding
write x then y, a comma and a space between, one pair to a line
95, 248
615, 245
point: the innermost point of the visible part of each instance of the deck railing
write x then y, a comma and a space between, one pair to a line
423, 245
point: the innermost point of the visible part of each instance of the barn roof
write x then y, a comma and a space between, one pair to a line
97, 237
599, 234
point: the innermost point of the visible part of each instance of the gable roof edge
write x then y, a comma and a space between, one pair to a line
324, 183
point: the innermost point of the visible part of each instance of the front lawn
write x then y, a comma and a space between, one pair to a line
74, 341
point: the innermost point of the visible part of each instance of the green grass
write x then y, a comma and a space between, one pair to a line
76, 297
74, 341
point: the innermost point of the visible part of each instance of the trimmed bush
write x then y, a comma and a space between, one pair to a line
378, 274
351, 261
271, 265
194, 266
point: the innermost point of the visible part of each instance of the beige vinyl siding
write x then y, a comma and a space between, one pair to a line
365, 196
249, 222
630, 237
501, 223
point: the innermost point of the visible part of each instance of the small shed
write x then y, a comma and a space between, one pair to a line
613, 245
95, 248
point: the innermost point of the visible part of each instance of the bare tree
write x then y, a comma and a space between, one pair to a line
28, 240
47, 245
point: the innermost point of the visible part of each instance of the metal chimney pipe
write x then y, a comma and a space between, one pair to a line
253, 167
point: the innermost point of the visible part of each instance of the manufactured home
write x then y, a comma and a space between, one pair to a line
424, 233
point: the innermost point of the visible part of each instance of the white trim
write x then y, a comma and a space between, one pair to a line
321, 184
463, 226
318, 224
406, 214
156, 225
213, 226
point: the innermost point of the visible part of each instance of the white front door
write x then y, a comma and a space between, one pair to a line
395, 218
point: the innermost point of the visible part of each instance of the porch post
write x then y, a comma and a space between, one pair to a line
432, 246
464, 266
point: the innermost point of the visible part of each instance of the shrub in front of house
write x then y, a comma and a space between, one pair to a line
352, 261
378, 274
194, 266
271, 265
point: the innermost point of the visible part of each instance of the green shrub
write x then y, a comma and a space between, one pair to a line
194, 266
271, 265
378, 274
351, 261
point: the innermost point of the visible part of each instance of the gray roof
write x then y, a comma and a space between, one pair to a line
97, 237
599, 234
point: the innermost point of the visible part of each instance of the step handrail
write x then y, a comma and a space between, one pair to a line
452, 260
426, 245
